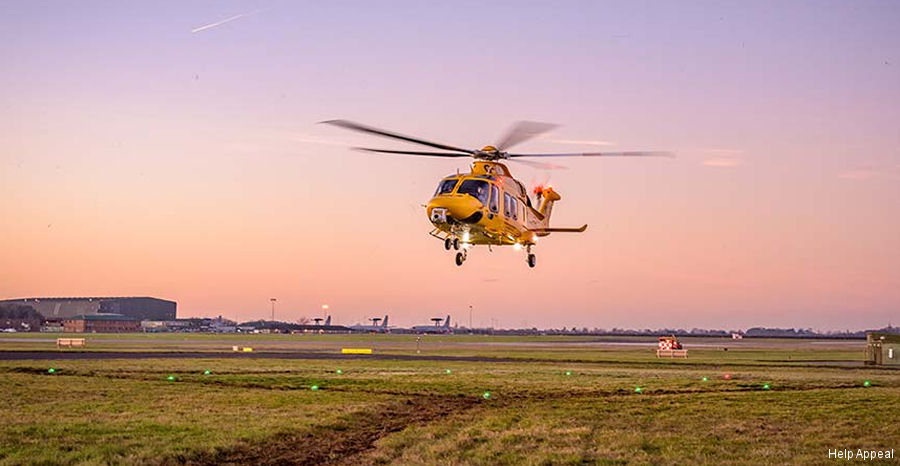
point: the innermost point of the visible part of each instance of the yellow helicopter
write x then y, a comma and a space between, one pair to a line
488, 206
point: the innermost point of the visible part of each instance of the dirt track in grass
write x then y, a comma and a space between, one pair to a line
337, 443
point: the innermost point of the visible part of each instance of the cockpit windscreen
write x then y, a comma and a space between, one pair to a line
446, 186
475, 188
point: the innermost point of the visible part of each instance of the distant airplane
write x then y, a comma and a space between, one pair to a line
318, 321
436, 328
375, 327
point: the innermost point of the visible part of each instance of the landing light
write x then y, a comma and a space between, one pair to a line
517, 247
465, 237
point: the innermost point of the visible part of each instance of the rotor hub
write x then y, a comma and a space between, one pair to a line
490, 153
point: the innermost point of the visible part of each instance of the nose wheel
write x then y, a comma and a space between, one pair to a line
460, 258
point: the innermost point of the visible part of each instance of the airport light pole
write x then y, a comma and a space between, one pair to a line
470, 317
273, 308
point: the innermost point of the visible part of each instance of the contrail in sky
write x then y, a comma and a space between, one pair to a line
226, 20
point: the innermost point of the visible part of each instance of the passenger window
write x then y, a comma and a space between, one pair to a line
515, 208
507, 203
495, 199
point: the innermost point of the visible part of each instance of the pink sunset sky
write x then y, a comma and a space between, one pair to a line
144, 153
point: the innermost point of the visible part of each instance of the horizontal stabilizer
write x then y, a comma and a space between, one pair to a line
560, 230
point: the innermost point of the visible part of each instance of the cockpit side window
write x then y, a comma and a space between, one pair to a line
475, 188
495, 199
446, 186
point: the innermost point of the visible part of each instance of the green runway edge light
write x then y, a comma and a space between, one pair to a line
448, 371
170, 378
568, 372
314, 387
206, 372
867, 383
766, 387
706, 379
51, 370
487, 395
338, 372
638, 389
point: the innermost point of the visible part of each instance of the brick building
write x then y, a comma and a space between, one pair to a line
102, 323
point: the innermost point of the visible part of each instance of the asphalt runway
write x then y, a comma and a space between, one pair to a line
94, 355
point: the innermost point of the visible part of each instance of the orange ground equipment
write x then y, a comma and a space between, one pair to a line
670, 347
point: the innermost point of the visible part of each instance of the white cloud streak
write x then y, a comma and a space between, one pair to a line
869, 173
722, 162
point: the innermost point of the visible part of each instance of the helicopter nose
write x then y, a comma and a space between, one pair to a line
463, 209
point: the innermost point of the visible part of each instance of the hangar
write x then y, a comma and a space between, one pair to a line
141, 308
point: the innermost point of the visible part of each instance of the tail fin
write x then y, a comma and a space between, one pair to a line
328, 320
384, 322
546, 196
447, 322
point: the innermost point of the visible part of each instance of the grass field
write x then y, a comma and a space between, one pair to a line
568, 401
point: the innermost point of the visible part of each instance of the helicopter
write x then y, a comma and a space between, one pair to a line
488, 206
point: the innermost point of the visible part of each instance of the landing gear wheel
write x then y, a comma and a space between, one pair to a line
456, 244
447, 244
531, 260
460, 258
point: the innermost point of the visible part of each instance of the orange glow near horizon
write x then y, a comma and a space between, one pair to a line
142, 159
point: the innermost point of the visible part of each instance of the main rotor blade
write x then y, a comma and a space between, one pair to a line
634, 153
541, 165
522, 131
412, 152
379, 132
